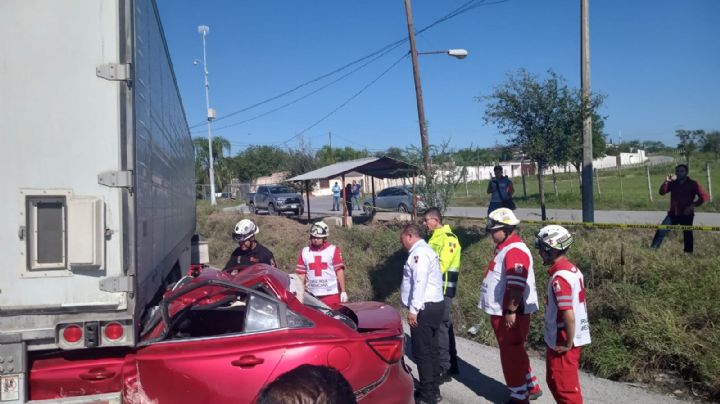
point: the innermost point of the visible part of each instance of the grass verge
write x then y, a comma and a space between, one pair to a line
654, 314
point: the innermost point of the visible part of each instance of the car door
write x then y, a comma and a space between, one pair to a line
384, 199
216, 368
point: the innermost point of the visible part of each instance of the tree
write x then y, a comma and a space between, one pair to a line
711, 143
688, 142
258, 161
441, 179
326, 155
535, 114
221, 168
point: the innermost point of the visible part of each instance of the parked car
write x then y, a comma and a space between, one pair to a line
395, 199
275, 199
218, 338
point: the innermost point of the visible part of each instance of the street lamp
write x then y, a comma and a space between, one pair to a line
456, 53
204, 30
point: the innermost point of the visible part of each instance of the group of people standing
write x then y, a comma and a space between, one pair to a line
320, 265
508, 295
351, 195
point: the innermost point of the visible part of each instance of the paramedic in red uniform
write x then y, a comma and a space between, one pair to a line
320, 267
508, 295
566, 321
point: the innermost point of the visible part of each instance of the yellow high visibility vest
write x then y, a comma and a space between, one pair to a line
446, 245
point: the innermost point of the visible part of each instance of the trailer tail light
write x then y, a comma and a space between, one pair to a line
72, 334
390, 349
113, 331
92, 334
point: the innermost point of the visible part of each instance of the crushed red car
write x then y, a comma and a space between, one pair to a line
218, 338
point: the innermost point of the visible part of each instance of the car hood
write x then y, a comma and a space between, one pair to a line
371, 316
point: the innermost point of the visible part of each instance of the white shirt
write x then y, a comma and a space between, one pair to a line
497, 278
422, 279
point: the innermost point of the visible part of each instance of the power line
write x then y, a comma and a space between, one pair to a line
362, 90
308, 94
470, 5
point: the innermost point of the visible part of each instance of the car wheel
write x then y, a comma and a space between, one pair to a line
251, 206
402, 208
271, 210
367, 209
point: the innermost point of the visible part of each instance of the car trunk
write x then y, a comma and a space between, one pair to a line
373, 316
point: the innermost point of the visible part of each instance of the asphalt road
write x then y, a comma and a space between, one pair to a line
481, 381
320, 207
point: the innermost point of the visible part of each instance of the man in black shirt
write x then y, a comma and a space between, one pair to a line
249, 251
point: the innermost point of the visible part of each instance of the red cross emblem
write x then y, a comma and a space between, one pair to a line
318, 266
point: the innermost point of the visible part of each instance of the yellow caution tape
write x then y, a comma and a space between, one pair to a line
608, 225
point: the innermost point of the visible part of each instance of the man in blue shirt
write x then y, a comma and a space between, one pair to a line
501, 188
336, 196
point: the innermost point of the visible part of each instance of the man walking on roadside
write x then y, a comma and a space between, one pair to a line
685, 195
336, 196
446, 245
421, 293
508, 295
566, 321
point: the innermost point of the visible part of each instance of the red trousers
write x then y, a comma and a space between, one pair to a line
333, 301
562, 375
514, 358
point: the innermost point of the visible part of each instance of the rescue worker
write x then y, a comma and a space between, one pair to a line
249, 251
446, 245
321, 268
421, 292
508, 295
566, 320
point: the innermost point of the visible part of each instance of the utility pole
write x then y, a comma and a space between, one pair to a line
204, 30
588, 209
418, 89
332, 155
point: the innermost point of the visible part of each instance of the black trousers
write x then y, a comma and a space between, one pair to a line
425, 349
676, 220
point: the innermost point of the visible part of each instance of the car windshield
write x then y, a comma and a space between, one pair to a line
280, 190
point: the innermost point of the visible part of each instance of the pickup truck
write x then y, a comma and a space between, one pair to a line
275, 199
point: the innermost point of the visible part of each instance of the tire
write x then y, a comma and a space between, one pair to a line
367, 209
297, 212
252, 208
402, 208
271, 210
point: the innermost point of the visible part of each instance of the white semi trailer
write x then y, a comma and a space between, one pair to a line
97, 201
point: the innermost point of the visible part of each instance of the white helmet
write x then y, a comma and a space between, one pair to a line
553, 237
319, 229
501, 217
245, 229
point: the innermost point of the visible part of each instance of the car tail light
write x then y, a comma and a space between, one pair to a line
114, 331
72, 334
390, 349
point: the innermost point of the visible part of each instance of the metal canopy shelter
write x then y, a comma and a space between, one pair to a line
376, 167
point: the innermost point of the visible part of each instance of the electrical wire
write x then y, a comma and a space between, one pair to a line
468, 6
362, 90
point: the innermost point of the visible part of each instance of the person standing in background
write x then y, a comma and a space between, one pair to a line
501, 189
336, 196
685, 195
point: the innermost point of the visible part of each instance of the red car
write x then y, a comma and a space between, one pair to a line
219, 338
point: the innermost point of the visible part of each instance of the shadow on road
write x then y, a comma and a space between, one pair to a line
470, 376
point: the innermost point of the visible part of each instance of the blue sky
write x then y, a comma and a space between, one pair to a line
658, 62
